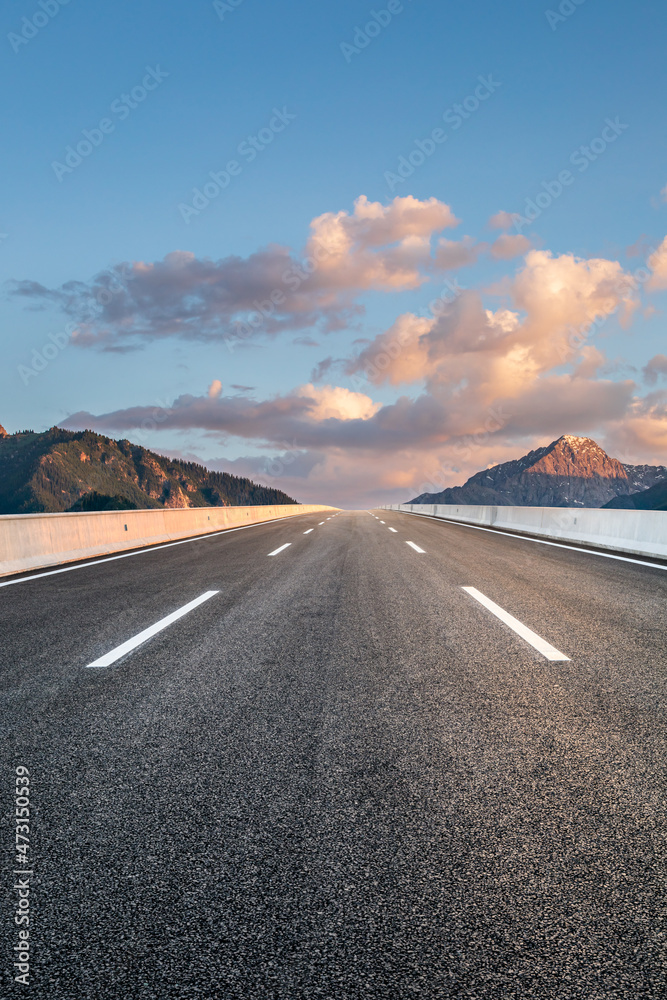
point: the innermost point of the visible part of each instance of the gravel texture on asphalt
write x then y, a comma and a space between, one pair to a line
341, 777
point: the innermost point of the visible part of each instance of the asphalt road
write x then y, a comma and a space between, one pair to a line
341, 776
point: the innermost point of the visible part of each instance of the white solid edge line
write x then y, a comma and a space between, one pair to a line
147, 550
148, 633
394, 530
416, 547
309, 531
535, 640
540, 541
281, 549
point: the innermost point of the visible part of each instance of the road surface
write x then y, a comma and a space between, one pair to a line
339, 774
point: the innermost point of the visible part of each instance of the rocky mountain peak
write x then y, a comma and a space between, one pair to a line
3, 432
578, 456
576, 445
570, 472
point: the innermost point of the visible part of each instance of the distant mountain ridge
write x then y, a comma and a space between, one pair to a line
59, 470
654, 498
569, 472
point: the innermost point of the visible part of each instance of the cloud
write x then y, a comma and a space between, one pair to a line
655, 369
286, 465
342, 446
484, 376
657, 263
591, 361
567, 403
477, 354
306, 341
663, 193
312, 415
332, 402
641, 436
482, 371
451, 254
562, 293
333, 417
322, 369
508, 246
338, 477
501, 220
375, 248
373, 224
398, 356
639, 248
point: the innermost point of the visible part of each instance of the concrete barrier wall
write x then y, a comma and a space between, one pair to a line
35, 541
633, 532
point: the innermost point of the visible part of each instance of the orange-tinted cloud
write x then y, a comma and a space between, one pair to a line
483, 384
657, 262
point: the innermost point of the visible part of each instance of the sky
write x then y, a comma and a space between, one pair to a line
357, 252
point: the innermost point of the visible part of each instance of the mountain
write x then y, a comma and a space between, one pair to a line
95, 501
62, 470
654, 498
570, 472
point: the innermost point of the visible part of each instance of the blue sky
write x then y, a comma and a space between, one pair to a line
220, 73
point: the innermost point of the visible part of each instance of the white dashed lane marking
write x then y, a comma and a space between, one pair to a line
148, 633
535, 640
281, 549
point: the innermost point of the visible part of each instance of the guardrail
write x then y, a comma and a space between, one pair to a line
36, 541
633, 532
